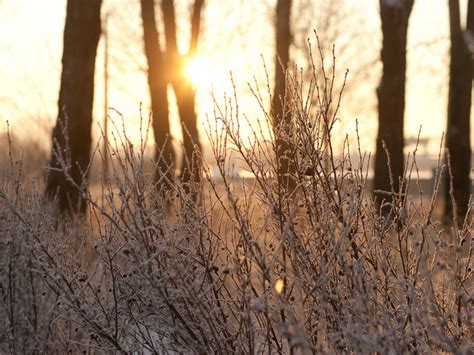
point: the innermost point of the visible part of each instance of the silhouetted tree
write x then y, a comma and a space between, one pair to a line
182, 86
281, 118
459, 110
157, 83
72, 133
391, 94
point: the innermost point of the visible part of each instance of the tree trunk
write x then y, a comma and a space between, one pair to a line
72, 136
391, 97
184, 91
185, 97
281, 118
459, 110
157, 83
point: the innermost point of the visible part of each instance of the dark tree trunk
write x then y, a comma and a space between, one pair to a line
470, 16
184, 91
185, 97
391, 96
281, 118
459, 110
72, 137
157, 83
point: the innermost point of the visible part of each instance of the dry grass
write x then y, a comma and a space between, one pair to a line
231, 266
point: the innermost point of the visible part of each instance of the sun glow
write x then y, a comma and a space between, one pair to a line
198, 71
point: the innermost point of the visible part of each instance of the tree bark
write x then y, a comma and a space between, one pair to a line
391, 97
281, 118
459, 110
72, 133
184, 91
158, 84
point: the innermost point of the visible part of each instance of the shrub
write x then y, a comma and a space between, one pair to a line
230, 265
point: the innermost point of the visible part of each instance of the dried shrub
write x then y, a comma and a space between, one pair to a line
233, 265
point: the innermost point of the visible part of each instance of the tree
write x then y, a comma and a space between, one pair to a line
72, 133
281, 119
459, 111
182, 86
157, 83
391, 96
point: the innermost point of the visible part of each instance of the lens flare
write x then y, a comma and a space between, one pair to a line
279, 285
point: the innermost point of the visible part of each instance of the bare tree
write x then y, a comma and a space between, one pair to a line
281, 118
391, 96
157, 83
72, 133
458, 141
182, 86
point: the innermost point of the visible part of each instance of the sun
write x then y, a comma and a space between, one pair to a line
197, 71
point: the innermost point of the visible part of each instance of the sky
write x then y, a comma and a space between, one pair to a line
236, 36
